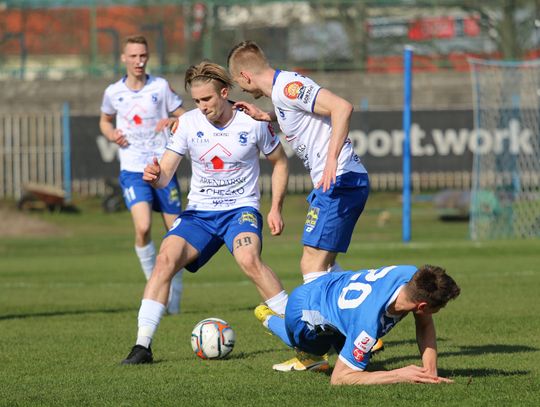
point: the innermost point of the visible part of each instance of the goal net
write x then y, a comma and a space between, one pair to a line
505, 192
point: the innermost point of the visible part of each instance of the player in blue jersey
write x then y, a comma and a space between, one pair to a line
349, 311
224, 146
315, 122
143, 106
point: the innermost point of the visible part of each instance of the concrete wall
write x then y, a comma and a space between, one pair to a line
447, 90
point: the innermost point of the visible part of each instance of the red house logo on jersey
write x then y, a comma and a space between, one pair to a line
135, 115
215, 160
137, 119
217, 163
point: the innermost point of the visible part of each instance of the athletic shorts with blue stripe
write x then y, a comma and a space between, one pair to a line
333, 214
207, 231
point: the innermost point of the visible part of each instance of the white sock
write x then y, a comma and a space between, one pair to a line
175, 293
150, 314
147, 258
278, 302
335, 267
309, 277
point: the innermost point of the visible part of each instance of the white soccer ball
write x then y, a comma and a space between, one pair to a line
212, 338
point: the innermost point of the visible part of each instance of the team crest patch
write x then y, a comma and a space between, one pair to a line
242, 138
311, 218
174, 196
248, 217
292, 89
358, 355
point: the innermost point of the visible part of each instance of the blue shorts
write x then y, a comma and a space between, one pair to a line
206, 231
303, 336
135, 189
333, 214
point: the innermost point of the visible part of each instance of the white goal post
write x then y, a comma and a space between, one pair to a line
505, 191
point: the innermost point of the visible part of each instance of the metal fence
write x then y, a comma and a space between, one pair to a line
30, 151
60, 38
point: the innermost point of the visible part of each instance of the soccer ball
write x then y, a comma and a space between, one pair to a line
212, 338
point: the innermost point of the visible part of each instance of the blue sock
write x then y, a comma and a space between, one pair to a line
277, 326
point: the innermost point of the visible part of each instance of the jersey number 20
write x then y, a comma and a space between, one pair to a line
362, 289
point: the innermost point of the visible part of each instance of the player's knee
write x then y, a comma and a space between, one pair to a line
143, 233
250, 263
165, 267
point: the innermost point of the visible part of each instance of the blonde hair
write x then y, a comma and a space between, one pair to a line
247, 55
208, 72
135, 39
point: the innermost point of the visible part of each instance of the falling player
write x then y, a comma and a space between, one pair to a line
349, 311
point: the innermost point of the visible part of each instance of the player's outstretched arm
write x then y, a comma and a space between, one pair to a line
280, 179
159, 174
254, 112
340, 111
343, 374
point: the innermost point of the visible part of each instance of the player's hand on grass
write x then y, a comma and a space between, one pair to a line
152, 172
275, 222
119, 138
417, 374
253, 111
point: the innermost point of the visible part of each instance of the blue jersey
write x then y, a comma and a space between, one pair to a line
355, 304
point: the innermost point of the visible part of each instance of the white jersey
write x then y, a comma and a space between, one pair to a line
308, 133
224, 161
137, 113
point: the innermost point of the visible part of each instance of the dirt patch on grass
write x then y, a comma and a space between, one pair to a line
14, 223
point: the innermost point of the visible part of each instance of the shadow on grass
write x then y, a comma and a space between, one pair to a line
494, 348
377, 364
235, 356
248, 355
64, 313
481, 372
48, 314
464, 351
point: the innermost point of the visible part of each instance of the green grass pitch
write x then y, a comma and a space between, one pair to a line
69, 303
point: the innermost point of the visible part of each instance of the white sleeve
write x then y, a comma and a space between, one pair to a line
106, 104
267, 139
178, 141
300, 93
172, 100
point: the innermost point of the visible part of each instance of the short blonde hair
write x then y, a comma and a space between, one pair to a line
135, 39
246, 55
208, 72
